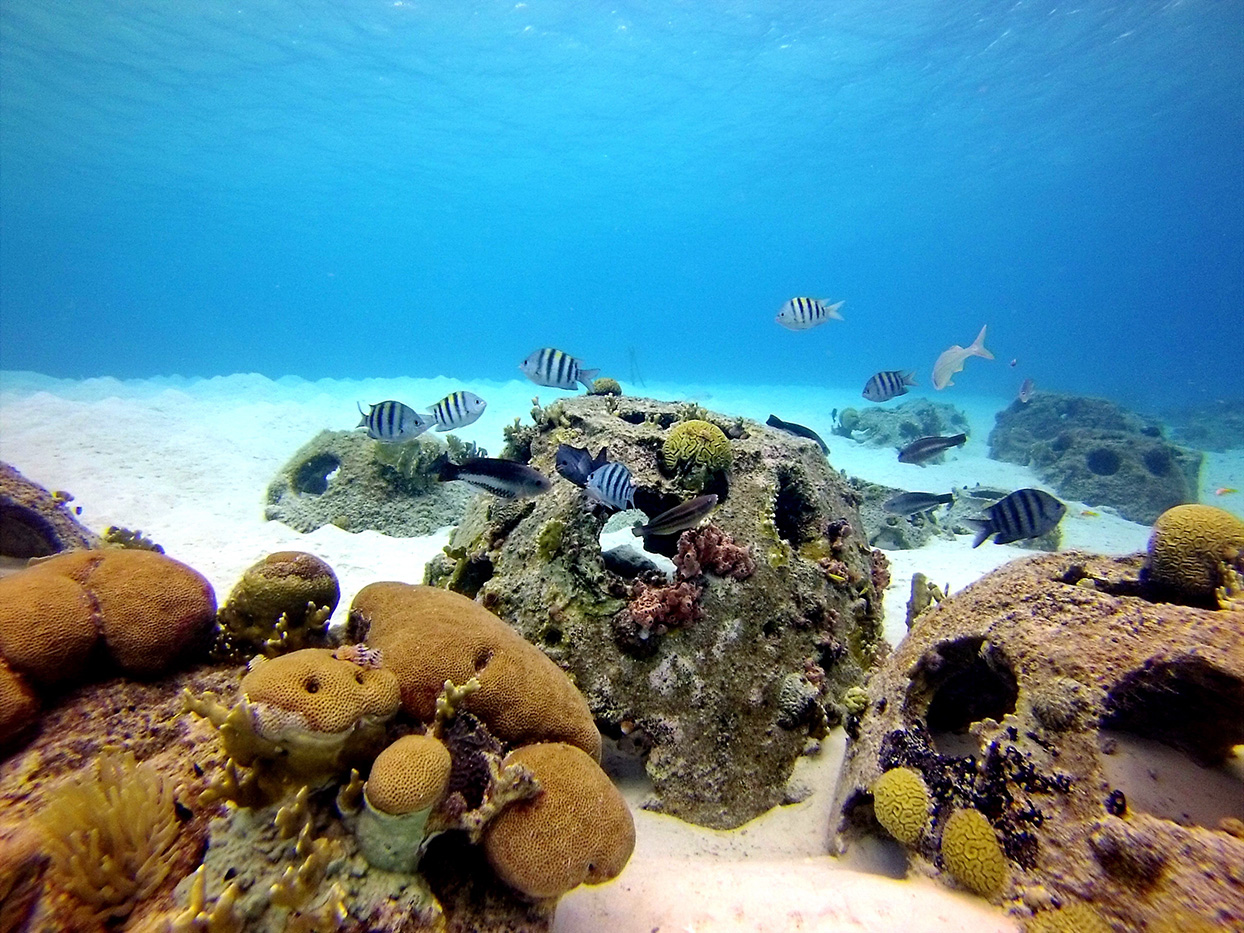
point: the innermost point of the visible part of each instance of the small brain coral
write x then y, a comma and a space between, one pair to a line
695, 450
577, 830
605, 386
1074, 918
108, 836
1189, 549
901, 804
971, 853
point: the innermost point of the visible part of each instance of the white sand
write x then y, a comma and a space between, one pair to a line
188, 462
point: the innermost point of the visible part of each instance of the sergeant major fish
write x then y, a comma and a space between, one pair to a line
612, 485
457, 410
888, 384
803, 313
951, 361
558, 370
508, 479
1025, 513
393, 422
577, 464
925, 448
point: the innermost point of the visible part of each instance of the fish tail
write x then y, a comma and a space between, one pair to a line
978, 345
909, 378
587, 375
984, 528
832, 310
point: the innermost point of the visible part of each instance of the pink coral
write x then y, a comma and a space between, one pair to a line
361, 655
659, 608
711, 550
880, 570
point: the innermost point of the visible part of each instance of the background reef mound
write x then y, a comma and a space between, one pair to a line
1094, 451
720, 675
345, 478
35, 522
1082, 726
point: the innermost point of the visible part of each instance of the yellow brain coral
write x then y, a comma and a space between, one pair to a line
1074, 918
409, 775
578, 830
1188, 547
901, 804
696, 448
428, 636
972, 854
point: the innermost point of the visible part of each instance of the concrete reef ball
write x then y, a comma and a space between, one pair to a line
1188, 544
428, 636
148, 611
578, 830
901, 804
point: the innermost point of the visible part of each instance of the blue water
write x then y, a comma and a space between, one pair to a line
400, 188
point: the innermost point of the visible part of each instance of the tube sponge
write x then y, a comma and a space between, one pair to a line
901, 804
578, 830
972, 854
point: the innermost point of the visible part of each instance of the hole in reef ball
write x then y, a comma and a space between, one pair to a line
312, 476
1102, 461
1158, 461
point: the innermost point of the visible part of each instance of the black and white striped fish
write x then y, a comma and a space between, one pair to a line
888, 384
1025, 513
457, 410
612, 485
508, 479
392, 422
802, 313
558, 370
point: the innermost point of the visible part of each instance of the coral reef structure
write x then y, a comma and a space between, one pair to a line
899, 426
1216, 425
35, 522
1011, 702
282, 603
1094, 451
142, 611
723, 672
345, 478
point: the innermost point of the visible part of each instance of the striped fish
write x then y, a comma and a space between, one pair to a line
457, 410
1025, 513
558, 370
612, 485
888, 384
802, 313
393, 422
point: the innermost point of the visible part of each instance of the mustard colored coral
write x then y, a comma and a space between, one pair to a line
1188, 548
409, 775
578, 830
971, 852
695, 450
313, 690
281, 604
1074, 918
901, 804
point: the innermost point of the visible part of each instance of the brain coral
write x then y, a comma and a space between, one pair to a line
696, 449
972, 854
578, 830
428, 636
901, 803
1187, 548
1074, 918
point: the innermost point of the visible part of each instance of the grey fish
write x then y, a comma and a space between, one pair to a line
802, 313
457, 410
888, 384
612, 485
798, 430
577, 464
393, 422
558, 370
909, 503
925, 448
1025, 513
681, 517
508, 479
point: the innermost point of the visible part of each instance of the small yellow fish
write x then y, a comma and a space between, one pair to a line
1089, 513
1224, 491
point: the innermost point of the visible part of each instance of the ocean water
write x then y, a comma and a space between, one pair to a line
359, 189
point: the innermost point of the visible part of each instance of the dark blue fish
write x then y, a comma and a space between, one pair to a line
508, 479
1025, 513
576, 463
798, 430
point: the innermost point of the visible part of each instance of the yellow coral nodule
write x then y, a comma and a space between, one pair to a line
901, 804
971, 853
697, 446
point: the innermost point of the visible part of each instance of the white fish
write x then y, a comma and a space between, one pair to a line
951, 361
802, 313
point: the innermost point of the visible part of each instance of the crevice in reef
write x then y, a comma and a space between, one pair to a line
959, 683
794, 511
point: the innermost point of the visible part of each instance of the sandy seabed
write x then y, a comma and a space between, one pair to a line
188, 463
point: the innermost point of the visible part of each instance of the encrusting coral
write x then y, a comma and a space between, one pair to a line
577, 830
282, 603
1190, 551
108, 835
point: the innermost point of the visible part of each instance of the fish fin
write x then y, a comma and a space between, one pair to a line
444, 427
978, 345
832, 310
599, 460
639, 530
984, 528
587, 375
909, 378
